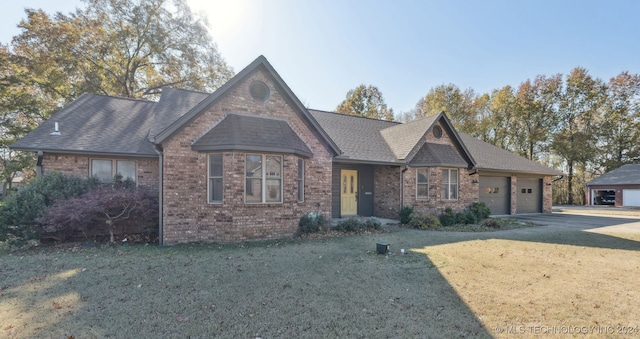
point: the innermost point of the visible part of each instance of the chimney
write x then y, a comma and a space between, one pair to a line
56, 131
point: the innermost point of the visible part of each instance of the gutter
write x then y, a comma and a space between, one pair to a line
560, 177
402, 186
158, 150
39, 164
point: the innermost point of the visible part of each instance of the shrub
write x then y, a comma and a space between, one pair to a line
448, 218
115, 209
312, 223
466, 217
405, 214
358, 225
480, 210
424, 222
22, 208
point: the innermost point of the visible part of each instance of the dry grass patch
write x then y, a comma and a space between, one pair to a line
537, 288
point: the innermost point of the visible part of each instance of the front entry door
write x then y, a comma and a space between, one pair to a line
349, 192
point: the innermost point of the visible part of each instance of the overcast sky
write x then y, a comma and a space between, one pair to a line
324, 48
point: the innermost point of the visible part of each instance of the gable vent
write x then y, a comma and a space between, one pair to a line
259, 91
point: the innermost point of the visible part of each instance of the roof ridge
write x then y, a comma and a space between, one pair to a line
118, 97
188, 90
353, 115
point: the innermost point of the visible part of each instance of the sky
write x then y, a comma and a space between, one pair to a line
322, 49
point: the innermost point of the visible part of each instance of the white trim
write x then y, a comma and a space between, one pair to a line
449, 183
209, 177
300, 179
114, 166
263, 179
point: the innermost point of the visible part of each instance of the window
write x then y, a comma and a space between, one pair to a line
449, 184
300, 180
263, 178
106, 169
422, 184
215, 178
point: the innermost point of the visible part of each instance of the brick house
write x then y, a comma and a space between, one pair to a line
247, 161
619, 187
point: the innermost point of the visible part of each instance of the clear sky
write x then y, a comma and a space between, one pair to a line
405, 47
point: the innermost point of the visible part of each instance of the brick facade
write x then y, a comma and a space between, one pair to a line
187, 215
387, 199
79, 165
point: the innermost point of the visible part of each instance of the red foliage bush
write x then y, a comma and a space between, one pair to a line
111, 210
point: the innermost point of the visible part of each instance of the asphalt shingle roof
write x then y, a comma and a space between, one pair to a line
403, 138
432, 154
490, 157
251, 133
624, 175
358, 138
96, 124
173, 104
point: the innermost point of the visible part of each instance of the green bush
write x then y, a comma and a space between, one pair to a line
466, 217
20, 209
358, 225
448, 217
424, 222
405, 214
480, 210
312, 223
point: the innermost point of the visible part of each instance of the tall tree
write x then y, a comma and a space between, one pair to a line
463, 107
365, 101
535, 114
129, 48
502, 106
575, 140
620, 129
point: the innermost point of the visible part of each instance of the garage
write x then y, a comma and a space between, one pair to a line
529, 196
495, 193
631, 197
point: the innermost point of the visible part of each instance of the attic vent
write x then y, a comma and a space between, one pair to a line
259, 91
437, 132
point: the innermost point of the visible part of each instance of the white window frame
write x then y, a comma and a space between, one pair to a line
114, 169
418, 183
210, 178
264, 178
300, 180
449, 184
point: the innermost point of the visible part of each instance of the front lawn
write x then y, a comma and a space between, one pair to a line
447, 285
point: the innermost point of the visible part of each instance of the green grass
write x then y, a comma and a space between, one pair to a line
449, 284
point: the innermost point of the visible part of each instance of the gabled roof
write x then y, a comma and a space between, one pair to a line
173, 104
404, 139
493, 158
358, 137
251, 133
95, 124
433, 155
260, 63
628, 174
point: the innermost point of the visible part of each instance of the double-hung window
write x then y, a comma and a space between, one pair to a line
263, 175
449, 184
215, 178
300, 180
422, 183
106, 169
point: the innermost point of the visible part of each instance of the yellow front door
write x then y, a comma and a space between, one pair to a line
349, 192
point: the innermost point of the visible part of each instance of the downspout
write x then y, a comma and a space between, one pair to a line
402, 186
158, 150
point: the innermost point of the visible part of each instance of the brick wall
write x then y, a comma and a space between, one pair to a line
467, 191
386, 181
547, 194
188, 216
78, 165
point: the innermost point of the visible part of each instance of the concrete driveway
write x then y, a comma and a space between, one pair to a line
579, 220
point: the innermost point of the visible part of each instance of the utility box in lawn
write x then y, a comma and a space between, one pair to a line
382, 247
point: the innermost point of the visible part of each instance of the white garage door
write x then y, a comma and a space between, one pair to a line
630, 197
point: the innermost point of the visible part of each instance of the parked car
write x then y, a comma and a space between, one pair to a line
608, 199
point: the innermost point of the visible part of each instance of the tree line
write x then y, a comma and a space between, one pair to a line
578, 124
125, 48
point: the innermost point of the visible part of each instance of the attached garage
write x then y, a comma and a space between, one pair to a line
495, 192
631, 197
529, 195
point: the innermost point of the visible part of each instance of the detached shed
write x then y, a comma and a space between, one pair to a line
620, 186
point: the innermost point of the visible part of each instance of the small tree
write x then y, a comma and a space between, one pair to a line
108, 205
